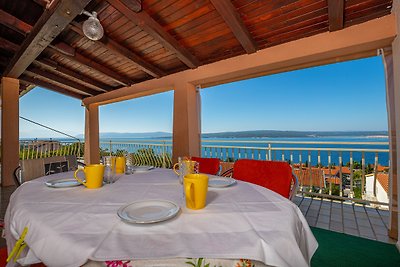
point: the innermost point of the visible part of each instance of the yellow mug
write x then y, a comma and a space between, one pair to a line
120, 165
195, 186
185, 167
93, 174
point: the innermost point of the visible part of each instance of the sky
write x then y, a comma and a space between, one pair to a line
347, 96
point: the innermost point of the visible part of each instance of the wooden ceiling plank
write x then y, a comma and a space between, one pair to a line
149, 25
232, 18
7, 45
62, 80
56, 67
135, 5
14, 23
52, 22
124, 52
91, 63
336, 15
50, 86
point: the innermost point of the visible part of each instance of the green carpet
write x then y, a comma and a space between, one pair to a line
336, 249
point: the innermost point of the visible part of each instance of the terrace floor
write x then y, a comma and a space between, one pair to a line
345, 217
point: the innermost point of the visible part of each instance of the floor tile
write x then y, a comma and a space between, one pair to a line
363, 222
323, 218
350, 218
351, 231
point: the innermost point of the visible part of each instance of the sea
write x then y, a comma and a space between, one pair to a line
370, 143
249, 148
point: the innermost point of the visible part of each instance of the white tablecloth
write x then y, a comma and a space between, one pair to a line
68, 227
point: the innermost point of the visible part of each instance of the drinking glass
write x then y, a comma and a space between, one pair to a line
109, 170
129, 163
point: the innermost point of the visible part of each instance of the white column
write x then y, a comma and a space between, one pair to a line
396, 101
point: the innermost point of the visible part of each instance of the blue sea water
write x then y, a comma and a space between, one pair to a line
383, 157
263, 143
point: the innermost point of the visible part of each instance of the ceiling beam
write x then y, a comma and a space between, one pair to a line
336, 15
62, 80
124, 52
232, 18
43, 3
50, 86
14, 23
135, 5
50, 64
7, 45
59, 46
50, 24
91, 63
149, 25
63, 48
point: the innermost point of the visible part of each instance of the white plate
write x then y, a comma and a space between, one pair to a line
218, 181
148, 211
62, 183
142, 168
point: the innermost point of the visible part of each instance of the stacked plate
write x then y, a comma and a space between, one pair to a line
148, 211
220, 182
62, 183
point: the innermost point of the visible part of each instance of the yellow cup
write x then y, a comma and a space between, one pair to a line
120, 165
93, 174
195, 186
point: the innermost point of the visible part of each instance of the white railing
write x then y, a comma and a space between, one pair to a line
143, 152
318, 165
325, 169
34, 149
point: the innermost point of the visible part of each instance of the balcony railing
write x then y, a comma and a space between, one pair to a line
340, 170
34, 149
325, 169
143, 152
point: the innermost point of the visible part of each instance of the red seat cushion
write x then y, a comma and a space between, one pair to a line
208, 165
274, 175
4, 255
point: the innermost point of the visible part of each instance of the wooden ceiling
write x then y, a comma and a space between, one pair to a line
42, 43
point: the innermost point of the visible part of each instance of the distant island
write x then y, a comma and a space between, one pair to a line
288, 134
250, 134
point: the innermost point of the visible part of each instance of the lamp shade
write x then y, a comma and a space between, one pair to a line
92, 28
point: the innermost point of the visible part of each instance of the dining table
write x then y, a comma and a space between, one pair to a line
242, 224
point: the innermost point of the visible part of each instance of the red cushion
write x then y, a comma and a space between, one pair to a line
208, 165
274, 175
4, 255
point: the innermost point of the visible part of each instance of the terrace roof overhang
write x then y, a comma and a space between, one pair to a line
42, 42
152, 46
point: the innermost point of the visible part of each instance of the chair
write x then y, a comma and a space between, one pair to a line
208, 165
30, 169
274, 175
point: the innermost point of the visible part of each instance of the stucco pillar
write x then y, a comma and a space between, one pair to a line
396, 110
186, 129
92, 144
9, 129
390, 104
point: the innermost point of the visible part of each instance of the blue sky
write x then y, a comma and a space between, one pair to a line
347, 96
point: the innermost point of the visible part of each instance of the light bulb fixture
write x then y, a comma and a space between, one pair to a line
92, 27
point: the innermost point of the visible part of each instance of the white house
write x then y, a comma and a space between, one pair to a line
382, 187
